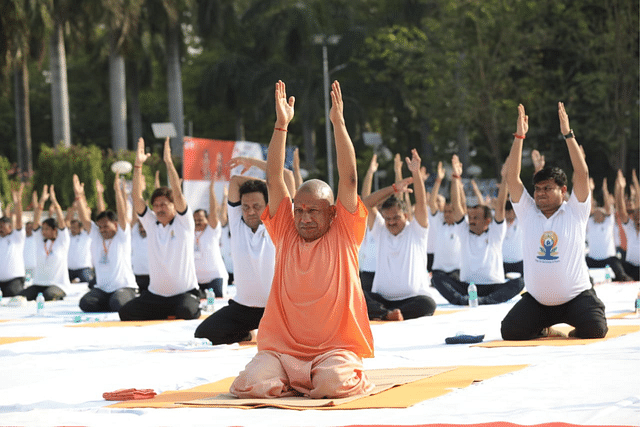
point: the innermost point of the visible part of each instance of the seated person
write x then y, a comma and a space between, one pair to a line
315, 329
481, 239
52, 273
111, 249
400, 284
210, 269
446, 250
79, 257
558, 286
600, 238
512, 244
631, 225
12, 239
173, 287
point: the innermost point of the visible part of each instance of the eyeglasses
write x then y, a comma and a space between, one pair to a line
545, 189
160, 205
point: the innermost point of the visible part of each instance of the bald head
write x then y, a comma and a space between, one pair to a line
317, 188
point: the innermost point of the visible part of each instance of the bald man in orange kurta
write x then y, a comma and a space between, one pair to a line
315, 329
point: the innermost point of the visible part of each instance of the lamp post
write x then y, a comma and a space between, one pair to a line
324, 40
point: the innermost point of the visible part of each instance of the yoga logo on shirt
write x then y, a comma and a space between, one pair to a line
549, 246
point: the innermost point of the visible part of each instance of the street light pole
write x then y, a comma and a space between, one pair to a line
327, 124
325, 40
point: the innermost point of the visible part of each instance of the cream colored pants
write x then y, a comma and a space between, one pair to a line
336, 374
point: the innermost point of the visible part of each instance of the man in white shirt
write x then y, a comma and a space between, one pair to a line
254, 259
512, 244
12, 239
173, 286
29, 253
52, 246
558, 285
79, 257
446, 250
140, 255
631, 224
601, 238
111, 249
210, 269
399, 289
481, 235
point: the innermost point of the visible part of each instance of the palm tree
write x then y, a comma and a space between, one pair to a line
58, 69
24, 24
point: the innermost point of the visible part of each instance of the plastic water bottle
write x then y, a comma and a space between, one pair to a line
638, 303
211, 298
40, 304
473, 295
607, 273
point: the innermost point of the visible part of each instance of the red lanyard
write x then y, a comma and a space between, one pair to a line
49, 249
198, 236
105, 247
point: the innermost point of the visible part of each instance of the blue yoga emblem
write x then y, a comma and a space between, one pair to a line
549, 246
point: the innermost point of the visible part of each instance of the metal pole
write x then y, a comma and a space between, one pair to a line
327, 124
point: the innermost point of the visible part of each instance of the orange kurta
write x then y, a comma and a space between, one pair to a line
316, 302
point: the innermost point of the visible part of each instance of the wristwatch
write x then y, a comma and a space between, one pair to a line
569, 135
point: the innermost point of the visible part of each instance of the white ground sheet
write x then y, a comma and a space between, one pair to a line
59, 380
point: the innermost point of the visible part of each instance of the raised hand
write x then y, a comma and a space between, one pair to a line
166, 155
440, 173
522, 125
99, 187
403, 186
52, 196
78, 187
423, 173
621, 181
45, 195
284, 106
337, 105
538, 160
456, 165
16, 195
141, 156
564, 119
240, 161
414, 163
373, 165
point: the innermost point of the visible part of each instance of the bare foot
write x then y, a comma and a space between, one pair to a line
394, 315
553, 333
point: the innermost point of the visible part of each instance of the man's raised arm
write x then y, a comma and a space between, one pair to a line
580, 169
514, 161
276, 154
345, 153
174, 179
139, 205
419, 192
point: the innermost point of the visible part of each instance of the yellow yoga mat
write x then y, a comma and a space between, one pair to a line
434, 382
125, 323
11, 340
625, 315
435, 313
614, 331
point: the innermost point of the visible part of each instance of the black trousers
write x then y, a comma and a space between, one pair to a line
614, 263
411, 308
149, 306
12, 287
215, 284
528, 317
632, 270
99, 301
232, 323
50, 292
456, 292
143, 282
513, 267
